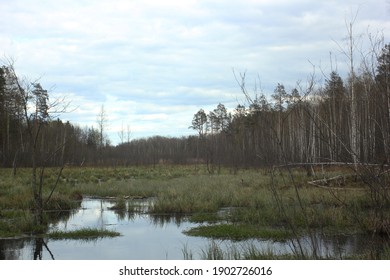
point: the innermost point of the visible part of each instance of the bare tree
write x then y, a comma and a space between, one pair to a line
349, 52
102, 122
128, 133
125, 135
37, 109
354, 129
121, 134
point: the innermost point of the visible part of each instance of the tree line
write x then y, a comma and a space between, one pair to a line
345, 120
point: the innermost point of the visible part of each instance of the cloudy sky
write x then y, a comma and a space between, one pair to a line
154, 64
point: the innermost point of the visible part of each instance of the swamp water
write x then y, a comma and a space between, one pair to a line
145, 236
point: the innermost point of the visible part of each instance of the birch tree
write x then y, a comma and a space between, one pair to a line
102, 122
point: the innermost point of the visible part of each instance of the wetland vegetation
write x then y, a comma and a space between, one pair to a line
268, 204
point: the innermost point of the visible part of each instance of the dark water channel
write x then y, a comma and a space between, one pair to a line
145, 236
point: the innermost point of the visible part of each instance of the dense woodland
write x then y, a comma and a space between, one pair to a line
341, 120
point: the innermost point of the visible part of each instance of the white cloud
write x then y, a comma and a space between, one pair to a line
153, 64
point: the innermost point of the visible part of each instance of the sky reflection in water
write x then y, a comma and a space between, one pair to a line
150, 237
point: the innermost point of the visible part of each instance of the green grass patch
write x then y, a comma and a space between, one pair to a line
83, 234
239, 232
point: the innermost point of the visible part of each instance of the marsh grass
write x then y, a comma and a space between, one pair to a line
131, 188
119, 205
250, 195
16, 222
239, 232
247, 251
214, 252
203, 217
82, 234
204, 193
258, 200
180, 190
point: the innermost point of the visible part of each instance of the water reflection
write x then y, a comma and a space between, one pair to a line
38, 249
145, 236
24, 248
10, 248
161, 220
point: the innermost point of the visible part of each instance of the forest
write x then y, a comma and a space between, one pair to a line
342, 120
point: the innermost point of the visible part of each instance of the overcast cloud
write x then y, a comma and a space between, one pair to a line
154, 64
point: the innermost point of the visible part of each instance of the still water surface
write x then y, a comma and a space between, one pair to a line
145, 236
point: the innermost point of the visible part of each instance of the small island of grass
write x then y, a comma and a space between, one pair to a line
84, 234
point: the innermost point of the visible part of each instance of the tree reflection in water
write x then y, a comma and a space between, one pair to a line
38, 249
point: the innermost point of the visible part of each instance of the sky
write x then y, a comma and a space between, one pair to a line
153, 64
